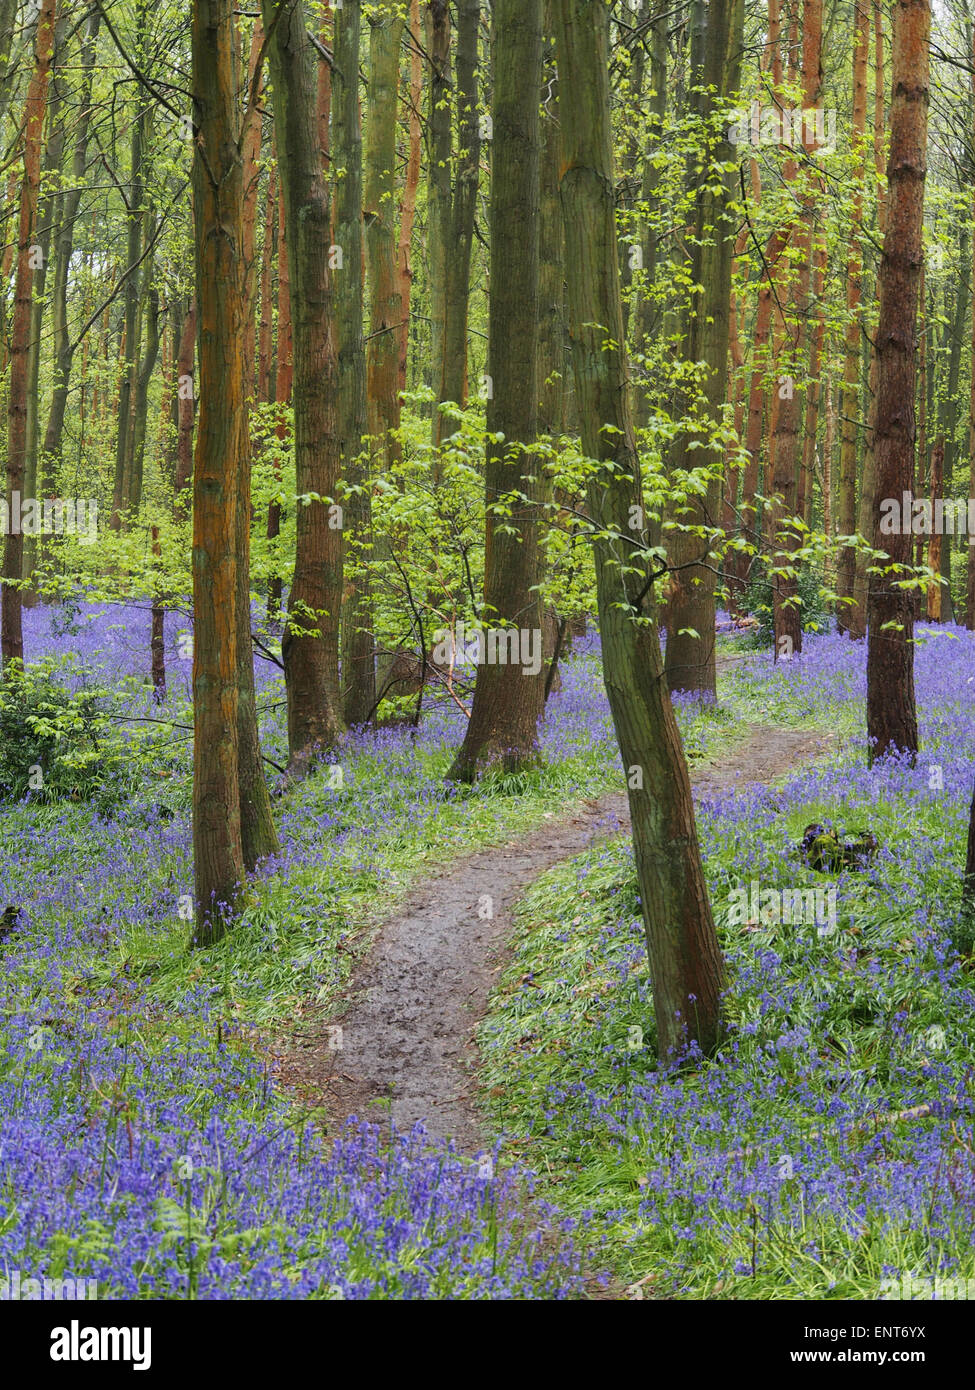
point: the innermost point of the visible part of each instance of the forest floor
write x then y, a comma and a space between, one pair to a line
826, 1152
407, 1036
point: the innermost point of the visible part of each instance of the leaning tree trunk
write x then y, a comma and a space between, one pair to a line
310, 646
509, 698
220, 451
11, 619
891, 710
685, 962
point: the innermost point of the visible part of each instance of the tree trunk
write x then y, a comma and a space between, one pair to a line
258, 836
508, 696
685, 962
438, 186
857, 613
218, 466
186, 408
407, 212
48, 213
283, 379
690, 643
891, 710
846, 513
132, 293
785, 455
310, 646
358, 642
64, 349
11, 620
453, 368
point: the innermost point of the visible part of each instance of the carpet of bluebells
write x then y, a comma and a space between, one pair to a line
786, 1167
142, 1142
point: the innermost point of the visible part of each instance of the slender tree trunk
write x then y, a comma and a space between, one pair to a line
358, 642
385, 308
157, 639
411, 183
258, 836
283, 380
891, 710
11, 613
508, 697
453, 370
933, 606
685, 961
857, 618
140, 405
690, 644
48, 214
310, 646
785, 455
951, 406
185, 408
218, 466
71, 202
438, 185
846, 517
132, 295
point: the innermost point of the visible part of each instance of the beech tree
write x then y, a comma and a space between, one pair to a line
310, 647
508, 697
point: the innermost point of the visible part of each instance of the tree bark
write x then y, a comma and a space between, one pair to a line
64, 245
310, 646
846, 513
690, 642
467, 164
508, 698
218, 466
685, 962
358, 642
11, 605
891, 710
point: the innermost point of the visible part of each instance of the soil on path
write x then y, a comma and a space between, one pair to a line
407, 1033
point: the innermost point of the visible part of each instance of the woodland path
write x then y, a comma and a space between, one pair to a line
416, 999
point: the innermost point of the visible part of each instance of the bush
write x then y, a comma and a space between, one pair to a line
57, 743
758, 602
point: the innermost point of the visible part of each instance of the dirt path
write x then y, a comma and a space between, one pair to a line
407, 1033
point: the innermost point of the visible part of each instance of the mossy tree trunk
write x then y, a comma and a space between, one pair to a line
685, 962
